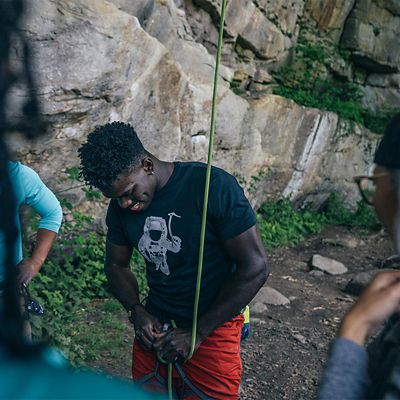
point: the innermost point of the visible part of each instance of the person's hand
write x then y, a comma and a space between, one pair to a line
147, 327
378, 302
174, 344
27, 269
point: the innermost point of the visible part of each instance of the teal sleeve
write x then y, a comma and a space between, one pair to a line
34, 379
41, 199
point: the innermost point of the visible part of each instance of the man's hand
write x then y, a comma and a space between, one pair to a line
174, 344
378, 302
27, 269
147, 327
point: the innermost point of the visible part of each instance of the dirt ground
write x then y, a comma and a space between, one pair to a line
284, 356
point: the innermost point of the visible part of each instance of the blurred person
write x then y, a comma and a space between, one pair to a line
352, 372
30, 190
31, 371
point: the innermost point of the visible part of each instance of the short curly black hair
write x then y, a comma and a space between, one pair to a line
110, 150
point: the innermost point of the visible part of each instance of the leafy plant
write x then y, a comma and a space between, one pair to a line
307, 82
96, 332
280, 224
362, 216
73, 274
73, 174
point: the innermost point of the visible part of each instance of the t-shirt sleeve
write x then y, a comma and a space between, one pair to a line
228, 208
345, 374
38, 196
116, 232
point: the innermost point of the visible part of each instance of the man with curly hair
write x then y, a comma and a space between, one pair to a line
156, 207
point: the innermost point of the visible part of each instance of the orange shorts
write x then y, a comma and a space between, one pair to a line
215, 367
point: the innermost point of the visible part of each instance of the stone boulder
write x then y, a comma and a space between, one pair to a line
93, 66
371, 33
381, 90
330, 15
360, 281
328, 265
255, 28
283, 13
141, 62
269, 295
308, 152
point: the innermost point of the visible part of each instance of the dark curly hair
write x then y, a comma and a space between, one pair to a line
110, 150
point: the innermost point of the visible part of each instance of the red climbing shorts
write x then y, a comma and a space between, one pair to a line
215, 367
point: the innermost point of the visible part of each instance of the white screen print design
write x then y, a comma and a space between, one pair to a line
155, 250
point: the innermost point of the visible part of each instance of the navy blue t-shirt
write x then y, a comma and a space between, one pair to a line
167, 234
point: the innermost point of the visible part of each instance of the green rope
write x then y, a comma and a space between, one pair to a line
170, 391
207, 183
205, 201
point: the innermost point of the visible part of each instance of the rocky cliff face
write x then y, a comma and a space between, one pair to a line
150, 63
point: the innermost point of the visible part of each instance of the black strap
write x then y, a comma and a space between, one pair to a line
161, 382
192, 387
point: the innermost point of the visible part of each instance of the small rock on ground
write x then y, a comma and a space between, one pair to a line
269, 295
328, 265
258, 307
348, 242
360, 281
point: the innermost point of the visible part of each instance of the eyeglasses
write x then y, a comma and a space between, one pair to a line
392, 262
366, 186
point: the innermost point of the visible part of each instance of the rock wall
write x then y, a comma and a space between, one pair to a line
369, 31
150, 63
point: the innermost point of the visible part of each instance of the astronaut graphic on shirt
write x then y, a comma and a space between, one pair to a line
154, 243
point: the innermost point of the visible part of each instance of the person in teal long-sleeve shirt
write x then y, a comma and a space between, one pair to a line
30, 190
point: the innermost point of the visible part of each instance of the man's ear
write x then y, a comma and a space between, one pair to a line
148, 165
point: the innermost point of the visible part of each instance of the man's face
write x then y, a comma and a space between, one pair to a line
386, 202
134, 189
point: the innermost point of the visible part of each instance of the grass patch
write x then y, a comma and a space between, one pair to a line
72, 276
102, 332
280, 224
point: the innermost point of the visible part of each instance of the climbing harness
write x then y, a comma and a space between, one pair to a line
155, 380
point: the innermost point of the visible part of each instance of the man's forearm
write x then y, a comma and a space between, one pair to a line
44, 241
233, 297
123, 285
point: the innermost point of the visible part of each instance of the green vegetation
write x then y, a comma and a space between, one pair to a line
308, 82
73, 275
97, 330
280, 224
252, 184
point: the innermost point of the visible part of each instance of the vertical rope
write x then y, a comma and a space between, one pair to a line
205, 200
170, 389
207, 183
